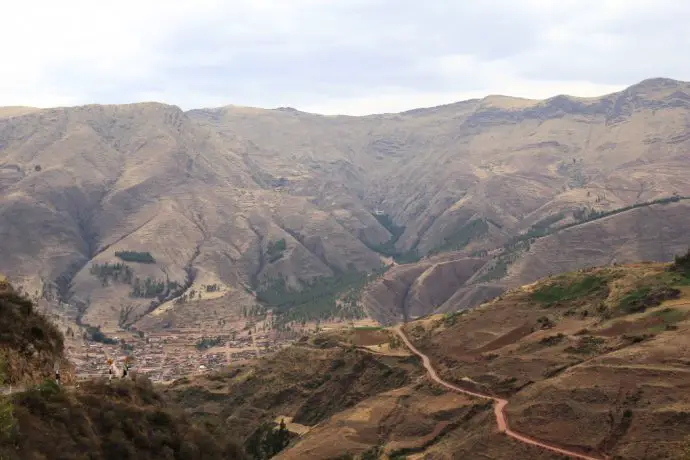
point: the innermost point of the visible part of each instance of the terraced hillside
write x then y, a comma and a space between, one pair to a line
592, 361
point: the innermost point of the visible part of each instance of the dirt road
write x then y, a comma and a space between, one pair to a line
499, 406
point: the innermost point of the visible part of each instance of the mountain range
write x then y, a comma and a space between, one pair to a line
144, 215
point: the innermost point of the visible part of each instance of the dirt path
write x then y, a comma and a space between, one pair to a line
499, 406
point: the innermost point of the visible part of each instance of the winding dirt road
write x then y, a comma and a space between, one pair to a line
499, 406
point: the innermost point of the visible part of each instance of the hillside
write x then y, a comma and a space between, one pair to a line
305, 385
143, 215
125, 420
593, 361
122, 419
454, 281
30, 345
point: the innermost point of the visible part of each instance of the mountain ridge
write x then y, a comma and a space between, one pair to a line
645, 83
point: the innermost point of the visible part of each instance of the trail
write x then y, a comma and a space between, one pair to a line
499, 406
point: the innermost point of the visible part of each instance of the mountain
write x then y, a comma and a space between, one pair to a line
146, 216
592, 362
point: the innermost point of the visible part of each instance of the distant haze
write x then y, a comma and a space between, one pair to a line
336, 56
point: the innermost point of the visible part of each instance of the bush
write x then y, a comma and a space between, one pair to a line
275, 250
645, 297
566, 290
681, 263
552, 340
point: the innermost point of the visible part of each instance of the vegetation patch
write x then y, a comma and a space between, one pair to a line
276, 250
567, 290
121, 273
134, 256
205, 343
645, 297
449, 319
120, 420
681, 265
268, 440
552, 340
388, 248
94, 333
586, 345
462, 236
320, 299
32, 339
669, 315
589, 214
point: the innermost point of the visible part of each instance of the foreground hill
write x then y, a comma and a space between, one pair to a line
31, 347
144, 214
97, 419
592, 361
122, 420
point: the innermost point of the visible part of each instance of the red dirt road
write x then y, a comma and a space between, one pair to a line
499, 406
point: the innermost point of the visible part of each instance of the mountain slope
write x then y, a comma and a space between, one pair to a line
229, 201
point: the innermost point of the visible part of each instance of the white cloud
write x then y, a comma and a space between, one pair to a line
336, 56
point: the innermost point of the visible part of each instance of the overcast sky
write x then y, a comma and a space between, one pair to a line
333, 56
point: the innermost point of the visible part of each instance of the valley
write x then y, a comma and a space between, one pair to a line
487, 278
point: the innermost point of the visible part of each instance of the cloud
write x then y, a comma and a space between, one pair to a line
336, 56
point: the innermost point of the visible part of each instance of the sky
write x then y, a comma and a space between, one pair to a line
351, 57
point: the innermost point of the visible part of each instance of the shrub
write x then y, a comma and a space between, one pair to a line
640, 299
570, 290
681, 263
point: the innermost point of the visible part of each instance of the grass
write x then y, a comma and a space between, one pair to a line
565, 291
367, 328
669, 315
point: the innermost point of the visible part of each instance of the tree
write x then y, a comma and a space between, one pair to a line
281, 437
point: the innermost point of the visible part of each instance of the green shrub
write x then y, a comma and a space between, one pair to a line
275, 250
644, 297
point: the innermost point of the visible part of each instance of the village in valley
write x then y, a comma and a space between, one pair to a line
166, 355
